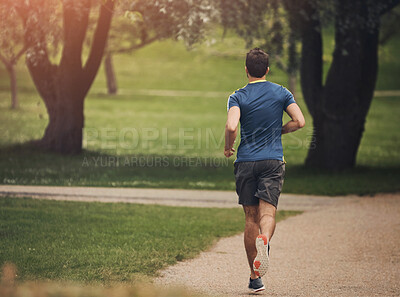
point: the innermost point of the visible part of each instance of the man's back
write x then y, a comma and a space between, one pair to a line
261, 106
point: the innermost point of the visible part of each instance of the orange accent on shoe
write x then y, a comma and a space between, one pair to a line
257, 273
257, 264
263, 238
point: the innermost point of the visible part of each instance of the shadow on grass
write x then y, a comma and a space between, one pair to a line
361, 180
24, 165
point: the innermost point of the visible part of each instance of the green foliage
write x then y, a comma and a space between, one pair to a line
245, 17
270, 27
11, 33
170, 19
43, 14
113, 242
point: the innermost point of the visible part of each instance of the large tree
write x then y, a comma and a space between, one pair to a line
340, 105
63, 85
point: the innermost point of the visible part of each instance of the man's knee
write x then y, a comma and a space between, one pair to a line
251, 213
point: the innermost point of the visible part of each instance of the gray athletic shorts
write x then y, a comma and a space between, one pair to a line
259, 180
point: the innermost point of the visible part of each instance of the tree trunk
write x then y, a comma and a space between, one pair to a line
110, 74
10, 66
346, 99
62, 90
66, 121
293, 61
340, 111
13, 86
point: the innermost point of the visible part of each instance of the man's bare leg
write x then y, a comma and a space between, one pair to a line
267, 214
251, 231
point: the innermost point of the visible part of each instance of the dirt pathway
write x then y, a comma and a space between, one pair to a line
172, 197
348, 248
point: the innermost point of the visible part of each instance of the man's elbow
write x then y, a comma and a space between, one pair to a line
230, 128
301, 123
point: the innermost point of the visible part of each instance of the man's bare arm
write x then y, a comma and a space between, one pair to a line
297, 122
231, 130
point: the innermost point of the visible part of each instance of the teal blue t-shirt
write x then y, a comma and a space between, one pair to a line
261, 106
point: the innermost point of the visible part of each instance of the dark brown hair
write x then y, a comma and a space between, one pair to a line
257, 62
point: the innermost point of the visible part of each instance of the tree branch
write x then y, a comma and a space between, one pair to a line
41, 69
99, 43
19, 54
5, 61
76, 19
34, 40
311, 57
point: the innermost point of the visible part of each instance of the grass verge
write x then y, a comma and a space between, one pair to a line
22, 165
106, 242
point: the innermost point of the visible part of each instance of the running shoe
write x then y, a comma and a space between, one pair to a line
261, 262
256, 285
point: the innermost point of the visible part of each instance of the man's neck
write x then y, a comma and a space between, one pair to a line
253, 79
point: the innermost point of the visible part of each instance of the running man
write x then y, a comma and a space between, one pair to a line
260, 166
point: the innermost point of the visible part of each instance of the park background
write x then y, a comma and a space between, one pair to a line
171, 109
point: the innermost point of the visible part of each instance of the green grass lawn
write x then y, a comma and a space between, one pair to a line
177, 142
106, 242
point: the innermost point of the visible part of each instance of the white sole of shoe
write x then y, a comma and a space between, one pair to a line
257, 290
261, 262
